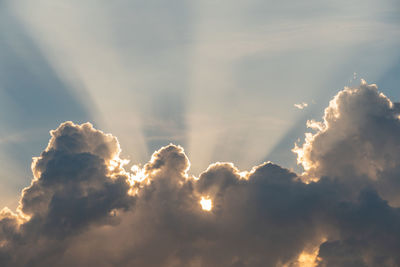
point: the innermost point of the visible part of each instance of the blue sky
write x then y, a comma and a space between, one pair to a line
213, 76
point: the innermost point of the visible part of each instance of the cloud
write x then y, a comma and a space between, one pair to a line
302, 105
72, 189
84, 208
357, 141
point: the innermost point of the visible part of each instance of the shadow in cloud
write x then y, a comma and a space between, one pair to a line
27, 81
281, 152
166, 121
390, 81
33, 99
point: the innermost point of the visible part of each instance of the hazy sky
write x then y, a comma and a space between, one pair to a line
207, 75
231, 81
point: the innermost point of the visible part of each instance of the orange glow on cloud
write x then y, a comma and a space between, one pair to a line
308, 259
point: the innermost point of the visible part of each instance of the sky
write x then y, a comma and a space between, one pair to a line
242, 82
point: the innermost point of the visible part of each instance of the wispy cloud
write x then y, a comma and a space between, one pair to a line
302, 105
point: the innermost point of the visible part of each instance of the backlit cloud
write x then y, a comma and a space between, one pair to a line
85, 207
357, 141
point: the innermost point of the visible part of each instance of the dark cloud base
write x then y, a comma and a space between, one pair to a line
84, 207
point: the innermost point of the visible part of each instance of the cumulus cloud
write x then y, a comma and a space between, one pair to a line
84, 207
357, 141
72, 189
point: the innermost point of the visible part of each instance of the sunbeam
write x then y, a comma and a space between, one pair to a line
246, 66
293, 155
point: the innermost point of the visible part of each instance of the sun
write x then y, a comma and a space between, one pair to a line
206, 203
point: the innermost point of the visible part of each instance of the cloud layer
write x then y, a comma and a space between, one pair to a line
84, 207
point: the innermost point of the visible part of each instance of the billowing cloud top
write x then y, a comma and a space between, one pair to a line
84, 208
